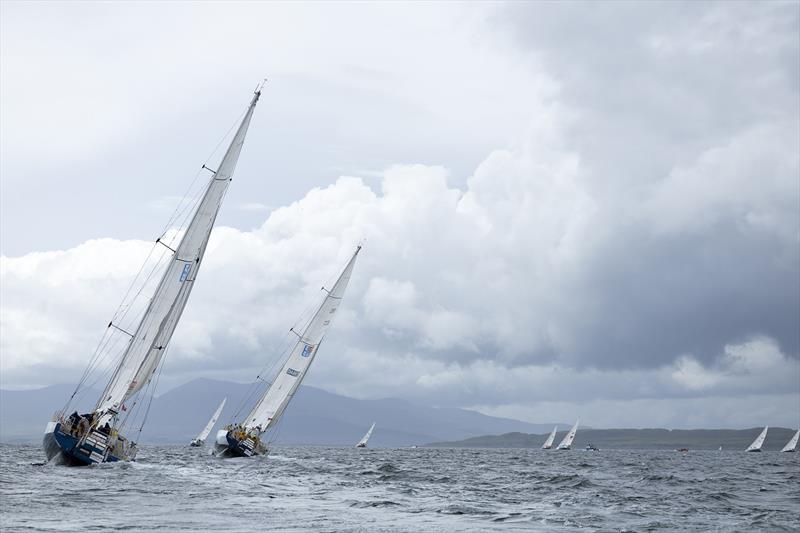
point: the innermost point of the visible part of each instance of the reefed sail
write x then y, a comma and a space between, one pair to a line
201, 438
566, 443
791, 446
94, 437
363, 442
756, 446
243, 439
549, 442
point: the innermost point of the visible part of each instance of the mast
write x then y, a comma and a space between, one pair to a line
148, 343
269, 409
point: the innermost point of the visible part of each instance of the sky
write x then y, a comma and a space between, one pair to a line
567, 209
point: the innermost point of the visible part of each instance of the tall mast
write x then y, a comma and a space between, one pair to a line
153, 333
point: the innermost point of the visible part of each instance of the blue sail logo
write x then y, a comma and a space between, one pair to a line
186, 268
308, 349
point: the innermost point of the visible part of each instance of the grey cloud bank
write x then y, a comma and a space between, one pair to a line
623, 236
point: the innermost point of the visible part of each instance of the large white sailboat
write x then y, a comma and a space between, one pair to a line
759, 442
549, 442
243, 439
566, 443
137, 341
363, 442
201, 437
791, 446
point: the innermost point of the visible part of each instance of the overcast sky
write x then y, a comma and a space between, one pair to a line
568, 209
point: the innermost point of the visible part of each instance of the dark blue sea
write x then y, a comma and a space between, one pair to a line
175, 488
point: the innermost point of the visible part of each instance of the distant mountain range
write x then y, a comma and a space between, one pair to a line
641, 439
314, 416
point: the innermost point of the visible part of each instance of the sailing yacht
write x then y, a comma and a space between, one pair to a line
549, 442
243, 439
201, 438
566, 443
756, 446
791, 446
363, 442
139, 342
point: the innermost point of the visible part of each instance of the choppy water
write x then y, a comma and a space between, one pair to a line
175, 488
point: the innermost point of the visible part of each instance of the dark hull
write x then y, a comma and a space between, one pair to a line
63, 448
231, 447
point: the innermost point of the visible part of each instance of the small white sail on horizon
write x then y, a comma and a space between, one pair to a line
791, 446
566, 443
549, 442
201, 437
363, 442
756, 446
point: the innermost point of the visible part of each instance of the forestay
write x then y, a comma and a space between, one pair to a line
269, 409
206, 430
567, 442
759, 441
151, 337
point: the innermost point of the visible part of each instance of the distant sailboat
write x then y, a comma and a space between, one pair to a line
566, 444
549, 442
244, 439
363, 442
140, 345
201, 438
791, 446
756, 446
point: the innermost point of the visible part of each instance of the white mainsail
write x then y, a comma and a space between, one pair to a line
269, 409
756, 446
791, 446
149, 342
549, 442
363, 442
566, 444
206, 430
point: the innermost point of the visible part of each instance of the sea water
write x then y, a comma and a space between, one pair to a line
178, 488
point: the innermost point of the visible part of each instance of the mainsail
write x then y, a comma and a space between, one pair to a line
549, 442
756, 446
151, 337
566, 444
363, 442
206, 430
791, 446
269, 409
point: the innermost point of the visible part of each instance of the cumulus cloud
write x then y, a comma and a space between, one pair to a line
633, 237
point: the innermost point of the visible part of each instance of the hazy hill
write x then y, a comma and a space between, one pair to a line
314, 417
643, 439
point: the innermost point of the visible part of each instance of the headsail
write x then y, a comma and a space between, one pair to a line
566, 444
549, 442
363, 442
756, 446
206, 430
269, 409
151, 337
791, 446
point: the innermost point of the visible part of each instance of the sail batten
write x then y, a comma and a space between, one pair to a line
149, 342
271, 406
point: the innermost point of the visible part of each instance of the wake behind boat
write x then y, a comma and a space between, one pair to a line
140, 345
363, 442
201, 438
243, 439
759, 442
